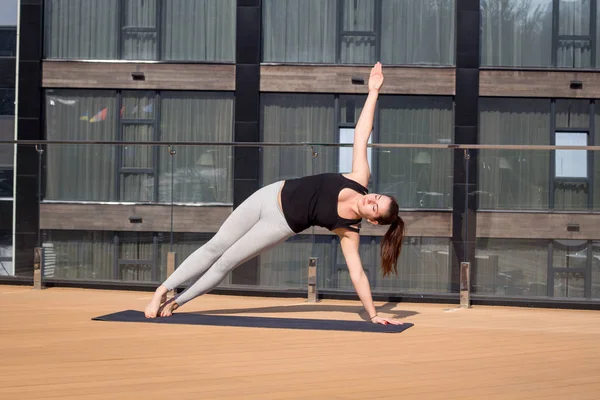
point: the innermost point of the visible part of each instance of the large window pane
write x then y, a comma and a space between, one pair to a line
81, 172
300, 31
516, 33
82, 29
198, 30
296, 118
88, 255
510, 267
424, 266
514, 179
417, 177
201, 174
417, 32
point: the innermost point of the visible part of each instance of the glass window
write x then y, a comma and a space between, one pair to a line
88, 255
424, 264
510, 267
202, 174
139, 173
574, 41
359, 31
571, 163
139, 31
418, 32
82, 29
296, 118
198, 30
517, 33
514, 179
81, 172
569, 255
416, 177
184, 244
181, 30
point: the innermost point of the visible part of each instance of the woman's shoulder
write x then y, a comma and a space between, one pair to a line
354, 178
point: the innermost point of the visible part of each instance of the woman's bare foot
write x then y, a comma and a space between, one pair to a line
160, 296
166, 310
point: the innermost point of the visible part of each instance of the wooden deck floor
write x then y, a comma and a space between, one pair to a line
50, 349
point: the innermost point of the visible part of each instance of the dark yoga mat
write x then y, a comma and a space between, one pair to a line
255, 322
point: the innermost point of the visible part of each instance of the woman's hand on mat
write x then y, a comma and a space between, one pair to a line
376, 78
385, 321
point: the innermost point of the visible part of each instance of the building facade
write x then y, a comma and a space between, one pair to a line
182, 73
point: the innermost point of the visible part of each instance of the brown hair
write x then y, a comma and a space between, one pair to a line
392, 241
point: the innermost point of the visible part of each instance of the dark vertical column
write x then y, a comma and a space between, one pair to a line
465, 132
29, 122
246, 117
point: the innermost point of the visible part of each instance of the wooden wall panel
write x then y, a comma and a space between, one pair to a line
337, 79
421, 224
538, 84
70, 74
537, 225
155, 218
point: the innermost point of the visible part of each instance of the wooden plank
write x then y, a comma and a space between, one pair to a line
417, 223
115, 217
156, 218
51, 349
537, 225
533, 83
337, 79
100, 75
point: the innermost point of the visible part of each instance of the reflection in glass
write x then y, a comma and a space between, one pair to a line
510, 267
419, 178
514, 179
516, 33
76, 29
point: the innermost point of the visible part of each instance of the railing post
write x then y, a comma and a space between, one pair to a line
312, 280
465, 285
38, 268
171, 258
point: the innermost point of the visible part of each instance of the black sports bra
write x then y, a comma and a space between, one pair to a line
312, 200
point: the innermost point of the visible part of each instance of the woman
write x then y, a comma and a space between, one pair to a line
282, 209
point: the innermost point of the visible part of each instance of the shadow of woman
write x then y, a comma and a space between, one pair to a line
387, 308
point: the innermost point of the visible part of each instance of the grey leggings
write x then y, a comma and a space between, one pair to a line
254, 226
